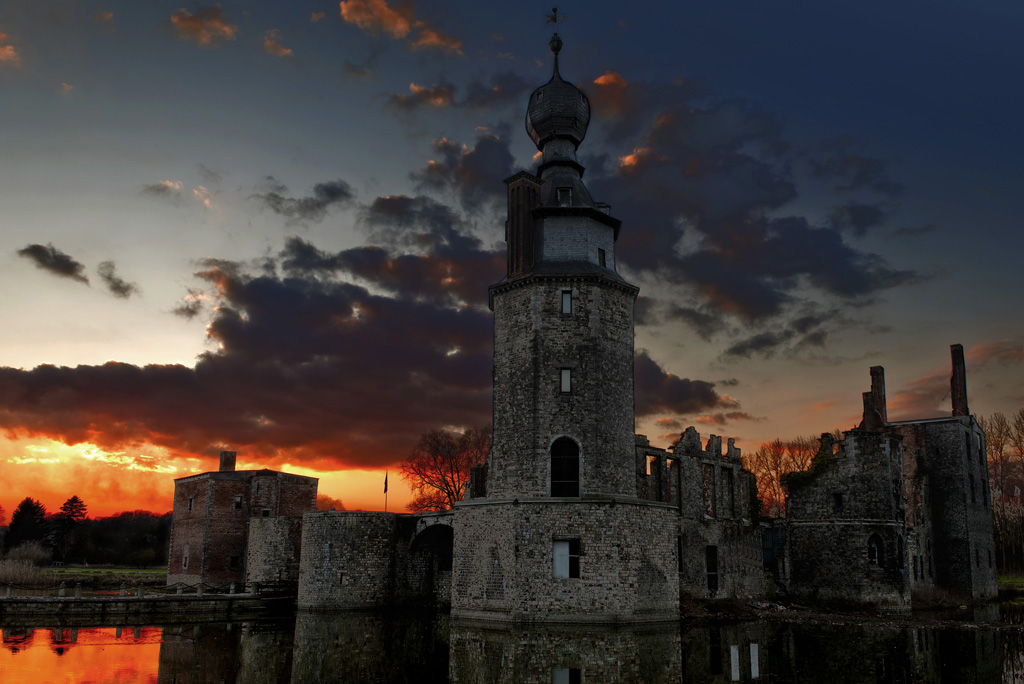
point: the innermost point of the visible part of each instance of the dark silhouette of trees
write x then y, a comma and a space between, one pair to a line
772, 461
66, 525
437, 469
134, 538
28, 523
328, 503
3, 516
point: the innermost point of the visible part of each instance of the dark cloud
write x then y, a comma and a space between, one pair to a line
856, 218
503, 88
645, 311
116, 285
190, 306
305, 209
471, 173
354, 70
765, 344
436, 95
49, 258
915, 231
721, 419
704, 324
658, 391
208, 175
839, 162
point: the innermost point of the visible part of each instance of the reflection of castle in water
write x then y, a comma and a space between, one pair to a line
381, 649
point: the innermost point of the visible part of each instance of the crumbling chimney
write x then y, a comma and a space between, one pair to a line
875, 414
958, 383
227, 461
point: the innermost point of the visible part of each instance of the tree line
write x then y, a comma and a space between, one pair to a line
134, 538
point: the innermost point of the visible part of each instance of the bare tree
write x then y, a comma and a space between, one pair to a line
328, 503
437, 469
774, 459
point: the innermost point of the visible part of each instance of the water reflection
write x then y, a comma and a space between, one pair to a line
385, 649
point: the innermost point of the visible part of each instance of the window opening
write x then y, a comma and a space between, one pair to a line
837, 502
564, 196
565, 675
566, 555
234, 563
600, 257
184, 563
566, 381
875, 551
266, 512
711, 557
237, 505
970, 478
190, 503
567, 301
565, 467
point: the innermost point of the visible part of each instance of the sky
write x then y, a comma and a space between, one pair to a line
270, 227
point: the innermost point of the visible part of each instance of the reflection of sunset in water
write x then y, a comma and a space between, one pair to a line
88, 655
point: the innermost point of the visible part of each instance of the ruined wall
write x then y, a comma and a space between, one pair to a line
950, 466
274, 549
846, 528
533, 342
503, 566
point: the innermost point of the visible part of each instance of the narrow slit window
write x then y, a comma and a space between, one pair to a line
567, 301
564, 196
238, 502
566, 380
190, 503
600, 257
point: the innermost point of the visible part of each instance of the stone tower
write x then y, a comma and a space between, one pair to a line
563, 324
556, 531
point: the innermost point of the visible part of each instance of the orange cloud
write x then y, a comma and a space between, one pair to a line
431, 38
1004, 351
66, 88
611, 79
374, 16
8, 53
634, 159
206, 27
272, 44
316, 16
104, 17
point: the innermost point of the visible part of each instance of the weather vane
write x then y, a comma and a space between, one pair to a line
553, 18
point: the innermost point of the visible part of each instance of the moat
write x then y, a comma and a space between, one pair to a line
973, 645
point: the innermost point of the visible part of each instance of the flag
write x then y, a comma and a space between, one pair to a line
385, 482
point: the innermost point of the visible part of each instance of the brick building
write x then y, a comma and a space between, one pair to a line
210, 526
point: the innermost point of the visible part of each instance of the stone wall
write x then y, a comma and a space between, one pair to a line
534, 341
347, 560
949, 462
188, 531
503, 570
846, 530
274, 549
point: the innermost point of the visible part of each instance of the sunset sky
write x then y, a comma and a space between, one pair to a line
270, 227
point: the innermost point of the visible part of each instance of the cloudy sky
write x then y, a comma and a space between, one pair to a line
270, 226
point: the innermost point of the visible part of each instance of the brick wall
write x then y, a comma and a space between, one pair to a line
274, 549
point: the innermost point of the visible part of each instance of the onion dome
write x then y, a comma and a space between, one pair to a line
558, 110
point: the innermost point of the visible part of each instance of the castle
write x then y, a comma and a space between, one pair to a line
575, 518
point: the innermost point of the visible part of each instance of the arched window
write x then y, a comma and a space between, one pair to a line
565, 467
875, 551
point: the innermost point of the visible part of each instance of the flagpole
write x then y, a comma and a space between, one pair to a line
385, 491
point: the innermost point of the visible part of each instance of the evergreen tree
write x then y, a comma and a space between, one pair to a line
72, 512
28, 523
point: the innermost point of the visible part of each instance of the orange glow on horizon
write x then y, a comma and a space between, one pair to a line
110, 482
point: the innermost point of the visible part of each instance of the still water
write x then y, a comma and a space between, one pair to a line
313, 648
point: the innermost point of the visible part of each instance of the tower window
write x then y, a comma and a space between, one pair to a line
565, 467
566, 380
875, 551
837, 501
567, 301
564, 196
566, 556
600, 257
237, 505
190, 502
